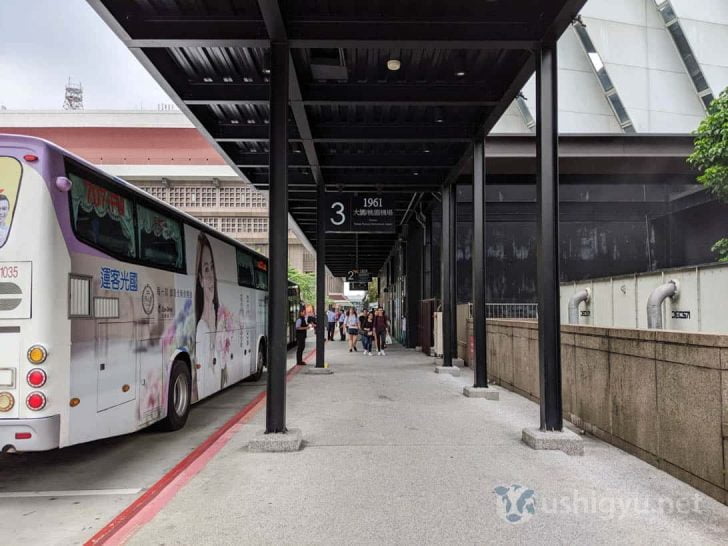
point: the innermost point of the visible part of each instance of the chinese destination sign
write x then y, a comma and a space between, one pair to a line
363, 213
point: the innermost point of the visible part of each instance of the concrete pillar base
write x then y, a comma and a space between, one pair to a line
277, 442
481, 392
319, 371
566, 441
451, 370
459, 362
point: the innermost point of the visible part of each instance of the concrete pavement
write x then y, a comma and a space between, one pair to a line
394, 453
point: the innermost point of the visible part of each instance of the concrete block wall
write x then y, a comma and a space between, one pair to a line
659, 395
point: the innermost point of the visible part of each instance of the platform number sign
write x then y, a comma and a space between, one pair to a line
339, 214
363, 213
358, 276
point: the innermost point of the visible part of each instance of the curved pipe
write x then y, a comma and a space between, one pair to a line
575, 301
654, 303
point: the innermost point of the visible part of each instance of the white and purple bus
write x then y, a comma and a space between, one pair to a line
117, 311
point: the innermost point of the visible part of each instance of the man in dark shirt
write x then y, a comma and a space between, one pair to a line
301, 333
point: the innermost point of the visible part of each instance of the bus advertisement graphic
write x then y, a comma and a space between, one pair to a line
10, 174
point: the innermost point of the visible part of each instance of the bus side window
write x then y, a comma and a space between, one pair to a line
160, 239
261, 279
245, 268
102, 218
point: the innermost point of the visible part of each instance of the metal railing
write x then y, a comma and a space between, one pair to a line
512, 310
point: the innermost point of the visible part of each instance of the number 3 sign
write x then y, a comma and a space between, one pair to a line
362, 213
339, 216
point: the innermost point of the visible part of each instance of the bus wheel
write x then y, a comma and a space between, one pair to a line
178, 398
260, 365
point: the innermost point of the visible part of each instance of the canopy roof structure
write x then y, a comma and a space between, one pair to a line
355, 124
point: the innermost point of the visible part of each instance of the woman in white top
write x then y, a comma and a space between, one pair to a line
352, 328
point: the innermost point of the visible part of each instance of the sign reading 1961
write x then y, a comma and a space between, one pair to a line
363, 213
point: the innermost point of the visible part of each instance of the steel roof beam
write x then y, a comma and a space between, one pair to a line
342, 93
387, 33
276, 29
352, 133
353, 160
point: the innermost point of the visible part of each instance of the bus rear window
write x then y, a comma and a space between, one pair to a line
102, 218
160, 239
10, 174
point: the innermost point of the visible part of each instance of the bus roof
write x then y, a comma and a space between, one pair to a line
181, 215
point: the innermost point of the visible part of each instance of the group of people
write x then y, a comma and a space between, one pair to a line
370, 327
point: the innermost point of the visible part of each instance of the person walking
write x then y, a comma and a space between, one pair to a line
352, 328
368, 333
330, 324
380, 330
301, 333
342, 319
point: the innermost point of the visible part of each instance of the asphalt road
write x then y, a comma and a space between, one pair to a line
65, 496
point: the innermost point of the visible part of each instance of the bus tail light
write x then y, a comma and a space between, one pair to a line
30, 157
37, 354
36, 378
36, 401
7, 401
23, 435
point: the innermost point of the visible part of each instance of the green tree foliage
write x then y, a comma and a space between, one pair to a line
373, 292
306, 282
710, 157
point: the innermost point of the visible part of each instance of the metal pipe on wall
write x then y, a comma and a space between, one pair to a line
654, 303
575, 301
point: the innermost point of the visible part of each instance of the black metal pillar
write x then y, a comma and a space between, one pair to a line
275, 419
321, 311
479, 303
453, 264
547, 150
448, 195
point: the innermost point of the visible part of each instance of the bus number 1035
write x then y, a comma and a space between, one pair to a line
9, 272
372, 202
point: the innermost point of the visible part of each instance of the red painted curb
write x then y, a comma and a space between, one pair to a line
142, 510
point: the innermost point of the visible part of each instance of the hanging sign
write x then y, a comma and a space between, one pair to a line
363, 286
363, 213
358, 275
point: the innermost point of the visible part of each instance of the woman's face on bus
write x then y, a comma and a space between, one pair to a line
4, 208
207, 270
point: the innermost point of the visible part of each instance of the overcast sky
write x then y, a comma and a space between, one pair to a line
43, 42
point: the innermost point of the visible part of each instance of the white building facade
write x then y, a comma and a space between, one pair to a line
644, 66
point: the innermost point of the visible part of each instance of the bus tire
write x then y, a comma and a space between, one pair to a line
178, 397
259, 365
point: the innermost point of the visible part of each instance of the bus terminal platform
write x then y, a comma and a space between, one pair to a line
393, 453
